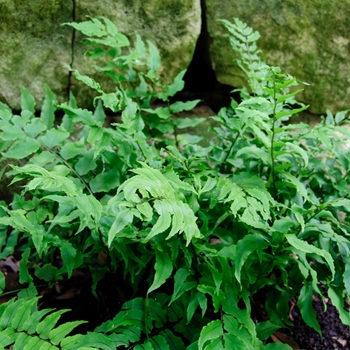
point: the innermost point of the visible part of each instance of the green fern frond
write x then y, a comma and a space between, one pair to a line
24, 327
247, 193
138, 319
149, 186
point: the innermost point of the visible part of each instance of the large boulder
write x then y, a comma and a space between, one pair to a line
307, 38
172, 25
35, 47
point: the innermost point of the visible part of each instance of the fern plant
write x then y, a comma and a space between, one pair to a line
198, 232
24, 327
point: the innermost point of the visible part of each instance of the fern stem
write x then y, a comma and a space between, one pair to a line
71, 169
272, 179
252, 85
20, 289
223, 163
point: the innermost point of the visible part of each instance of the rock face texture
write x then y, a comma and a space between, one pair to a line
35, 47
173, 26
309, 39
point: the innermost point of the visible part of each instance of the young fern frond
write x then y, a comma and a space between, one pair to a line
164, 192
243, 40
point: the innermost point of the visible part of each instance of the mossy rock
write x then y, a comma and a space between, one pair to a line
306, 38
36, 47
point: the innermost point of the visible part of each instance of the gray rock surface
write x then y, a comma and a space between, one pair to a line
172, 25
35, 47
309, 39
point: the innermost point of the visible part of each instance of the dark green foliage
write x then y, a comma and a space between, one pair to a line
261, 211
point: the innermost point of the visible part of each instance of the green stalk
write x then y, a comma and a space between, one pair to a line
272, 179
223, 163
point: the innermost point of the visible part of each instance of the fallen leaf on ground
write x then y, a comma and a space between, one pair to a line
279, 337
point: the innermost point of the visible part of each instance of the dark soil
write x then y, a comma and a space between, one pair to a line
334, 334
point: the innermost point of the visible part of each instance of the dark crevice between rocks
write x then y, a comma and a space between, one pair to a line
72, 49
200, 79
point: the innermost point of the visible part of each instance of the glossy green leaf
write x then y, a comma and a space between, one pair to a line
104, 182
6, 337
183, 123
99, 113
2, 282
23, 313
37, 343
265, 328
11, 132
163, 269
233, 342
290, 112
57, 334
71, 150
31, 323
23, 148
296, 183
307, 311
211, 331
34, 128
177, 85
216, 344
86, 80
24, 275
78, 114
48, 108
22, 340
54, 137
163, 222
308, 248
153, 57
49, 322
147, 345
47, 273
180, 286
68, 254
198, 300
244, 248
27, 100
336, 296
8, 312
299, 151
92, 27
86, 163
68, 343
159, 343
180, 106
346, 276
95, 340
122, 219
174, 342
